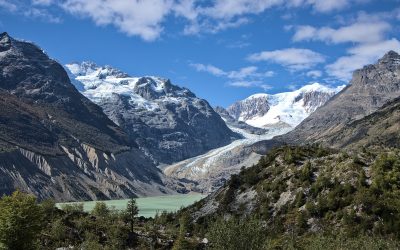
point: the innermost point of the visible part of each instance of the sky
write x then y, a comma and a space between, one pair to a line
222, 50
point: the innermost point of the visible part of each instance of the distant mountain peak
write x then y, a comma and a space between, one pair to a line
88, 68
263, 110
391, 58
5, 41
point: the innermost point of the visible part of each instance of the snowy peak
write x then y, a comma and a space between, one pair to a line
102, 83
91, 69
289, 108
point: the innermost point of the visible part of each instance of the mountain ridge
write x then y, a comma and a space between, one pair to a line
56, 143
287, 108
169, 123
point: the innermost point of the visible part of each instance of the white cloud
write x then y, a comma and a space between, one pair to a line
146, 18
31, 9
8, 5
292, 58
359, 32
368, 34
244, 77
323, 6
209, 69
329, 5
41, 14
226, 9
314, 73
187, 9
133, 17
238, 45
360, 56
250, 84
43, 2
208, 26
242, 73
224, 14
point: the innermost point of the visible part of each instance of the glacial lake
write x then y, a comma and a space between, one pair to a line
148, 206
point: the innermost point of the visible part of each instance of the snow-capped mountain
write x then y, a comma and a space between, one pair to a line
168, 122
286, 109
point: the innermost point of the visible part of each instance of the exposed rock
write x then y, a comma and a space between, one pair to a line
232, 122
169, 123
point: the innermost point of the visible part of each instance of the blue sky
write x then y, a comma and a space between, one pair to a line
222, 50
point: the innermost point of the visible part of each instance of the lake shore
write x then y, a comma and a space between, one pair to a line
148, 206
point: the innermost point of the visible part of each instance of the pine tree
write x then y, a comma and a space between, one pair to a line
181, 242
131, 212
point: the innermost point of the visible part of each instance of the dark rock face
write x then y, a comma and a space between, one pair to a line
168, 123
371, 87
230, 121
249, 108
56, 143
379, 128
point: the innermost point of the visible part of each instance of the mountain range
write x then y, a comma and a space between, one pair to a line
88, 132
167, 122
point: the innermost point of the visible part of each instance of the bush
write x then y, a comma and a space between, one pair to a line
21, 221
236, 234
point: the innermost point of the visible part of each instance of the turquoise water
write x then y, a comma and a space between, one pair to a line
149, 206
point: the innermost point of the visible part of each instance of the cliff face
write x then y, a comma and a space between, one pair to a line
54, 142
82, 173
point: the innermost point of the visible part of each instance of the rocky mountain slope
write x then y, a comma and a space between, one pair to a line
371, 87
301, 190
232, 122
168, 123
379, 128
57, 143
283, 109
